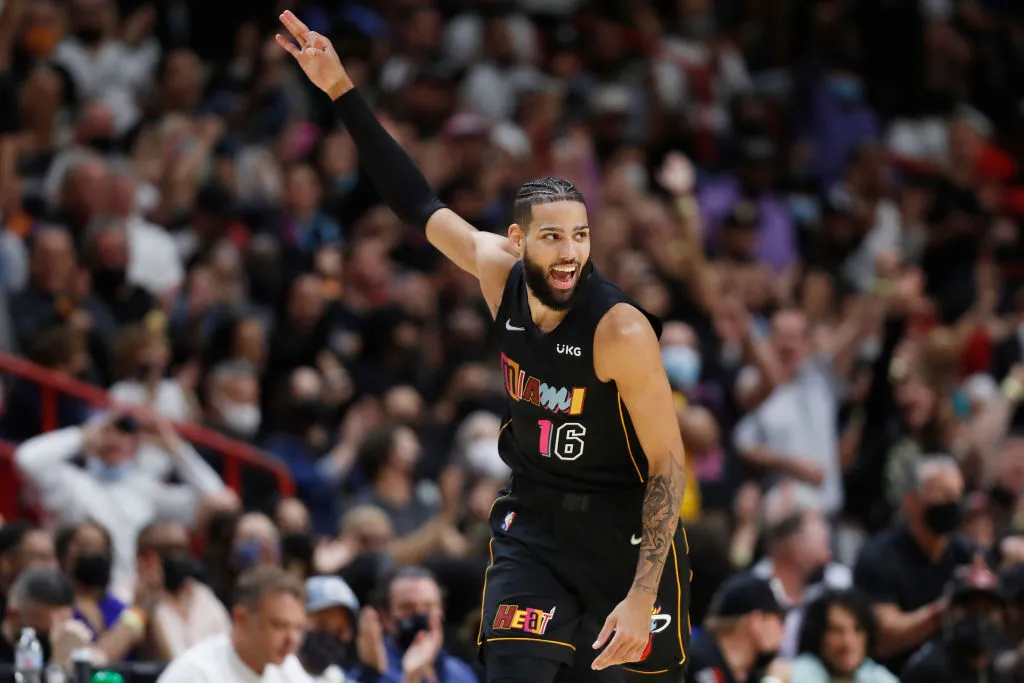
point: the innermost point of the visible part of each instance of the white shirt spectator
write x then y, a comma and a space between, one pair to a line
215, 661
153, 260
168, 401
114, 73
799, 421
835, 577
198, 617
123, 506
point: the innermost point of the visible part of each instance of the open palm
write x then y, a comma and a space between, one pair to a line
315, 55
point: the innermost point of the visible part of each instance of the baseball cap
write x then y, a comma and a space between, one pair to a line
975, 580
741, 594
329, 591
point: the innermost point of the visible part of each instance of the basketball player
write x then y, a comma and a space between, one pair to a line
592, 512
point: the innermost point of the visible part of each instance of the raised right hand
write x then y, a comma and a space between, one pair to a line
316, 56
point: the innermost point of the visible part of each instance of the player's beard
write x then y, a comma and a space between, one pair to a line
556, 300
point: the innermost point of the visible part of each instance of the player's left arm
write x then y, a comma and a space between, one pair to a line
626, 350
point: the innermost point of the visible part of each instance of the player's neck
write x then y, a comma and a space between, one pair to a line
544, 317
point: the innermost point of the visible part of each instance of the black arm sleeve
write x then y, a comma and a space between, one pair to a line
396, 177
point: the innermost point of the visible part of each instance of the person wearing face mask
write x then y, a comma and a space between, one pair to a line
341, 643
799, 563
741, 636
116, 628
413, 640
233, 397
302, 444
141, 356
971, 637
111, 488
186, 611
905, 569
41, 599
681, 359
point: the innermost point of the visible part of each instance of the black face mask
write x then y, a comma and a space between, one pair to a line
307, 413
408, 628
102, 144
108, 280
943, 518
93, 571
90, 35
178, 570
1003, 497
974, 636
320, 650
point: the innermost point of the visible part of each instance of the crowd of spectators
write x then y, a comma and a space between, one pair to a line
819, 197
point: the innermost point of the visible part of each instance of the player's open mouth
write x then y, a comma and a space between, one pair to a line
564, 277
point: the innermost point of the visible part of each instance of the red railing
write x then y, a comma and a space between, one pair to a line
52, 384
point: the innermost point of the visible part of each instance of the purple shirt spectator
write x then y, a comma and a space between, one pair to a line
839, 123
776, 242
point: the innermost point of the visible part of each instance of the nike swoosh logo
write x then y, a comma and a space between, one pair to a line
512, 328
635, 540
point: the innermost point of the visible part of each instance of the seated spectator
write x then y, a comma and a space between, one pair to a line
233, 400
23, 546
106, 253
73, 494
186, 611
388, 459
141, 354
301, 442
61, 349
85, 553
331, 648
742, 632
267, 625
41, 599
413, 616
972, 636
905, 569
57, 293
836, 638
799, 563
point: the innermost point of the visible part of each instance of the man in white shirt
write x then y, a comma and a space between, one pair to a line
111, 489
799, 565
268, 623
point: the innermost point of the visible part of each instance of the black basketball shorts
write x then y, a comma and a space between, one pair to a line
561, 562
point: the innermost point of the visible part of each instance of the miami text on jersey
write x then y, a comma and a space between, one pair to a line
530, 389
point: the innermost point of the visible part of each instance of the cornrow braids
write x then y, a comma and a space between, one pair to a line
542, 191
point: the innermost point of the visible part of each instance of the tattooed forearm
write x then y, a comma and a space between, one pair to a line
662, 501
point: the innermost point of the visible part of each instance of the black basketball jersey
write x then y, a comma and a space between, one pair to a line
563, 426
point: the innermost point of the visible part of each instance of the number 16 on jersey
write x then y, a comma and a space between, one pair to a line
565, 441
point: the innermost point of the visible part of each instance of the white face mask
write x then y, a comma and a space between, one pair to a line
242, 418
482, 456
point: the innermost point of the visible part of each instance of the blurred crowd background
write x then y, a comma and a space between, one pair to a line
822, 199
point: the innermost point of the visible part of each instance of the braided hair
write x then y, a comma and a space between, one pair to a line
542, 191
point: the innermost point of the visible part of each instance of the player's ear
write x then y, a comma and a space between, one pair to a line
517, 237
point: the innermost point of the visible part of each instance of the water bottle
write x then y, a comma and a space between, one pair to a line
28, 658
55, 674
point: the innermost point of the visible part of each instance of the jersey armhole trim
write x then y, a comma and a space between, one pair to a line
625, 433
